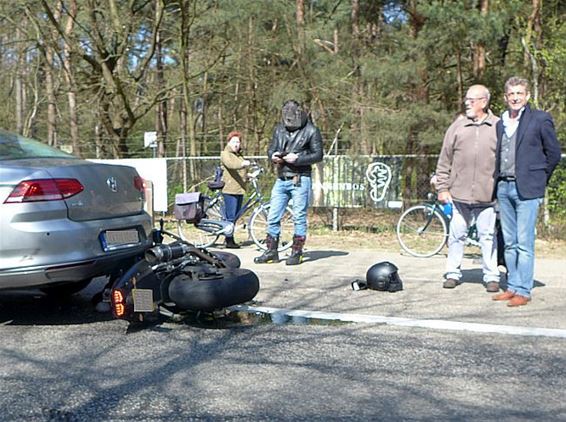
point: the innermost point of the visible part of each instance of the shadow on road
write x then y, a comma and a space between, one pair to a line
33, 307
475, 276
316, 255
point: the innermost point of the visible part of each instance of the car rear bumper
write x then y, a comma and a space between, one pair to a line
70, 271
54, 250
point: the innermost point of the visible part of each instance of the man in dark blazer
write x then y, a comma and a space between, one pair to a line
526, 155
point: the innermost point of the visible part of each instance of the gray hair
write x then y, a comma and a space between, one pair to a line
517, 81
483, 88
486, 93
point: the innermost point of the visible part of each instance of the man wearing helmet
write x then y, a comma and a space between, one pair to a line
296, 144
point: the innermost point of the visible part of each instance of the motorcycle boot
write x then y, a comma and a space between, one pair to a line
270, 256
296, 256
231, 244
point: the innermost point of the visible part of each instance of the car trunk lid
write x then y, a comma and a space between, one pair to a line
109, 190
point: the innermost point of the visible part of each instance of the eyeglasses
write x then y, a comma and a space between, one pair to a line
473, 100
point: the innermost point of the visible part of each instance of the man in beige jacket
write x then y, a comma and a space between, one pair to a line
464, 177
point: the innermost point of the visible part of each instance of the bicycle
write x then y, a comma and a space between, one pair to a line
206, 232
422, 230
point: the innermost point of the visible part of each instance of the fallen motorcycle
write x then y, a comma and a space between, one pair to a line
176, 277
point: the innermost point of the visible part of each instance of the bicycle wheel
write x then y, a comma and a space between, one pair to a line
207, 232
422, 231
215, 208
257, 228
203, 236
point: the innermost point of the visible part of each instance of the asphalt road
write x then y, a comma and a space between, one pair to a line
62, 361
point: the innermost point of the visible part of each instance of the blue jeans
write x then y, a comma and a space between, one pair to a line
232, 205
518, 222
283, 191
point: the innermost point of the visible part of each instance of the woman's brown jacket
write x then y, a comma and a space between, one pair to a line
234, 175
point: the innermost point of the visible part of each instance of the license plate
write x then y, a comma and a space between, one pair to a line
143, 300
119, 238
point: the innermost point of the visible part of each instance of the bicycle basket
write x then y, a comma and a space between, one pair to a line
189, 207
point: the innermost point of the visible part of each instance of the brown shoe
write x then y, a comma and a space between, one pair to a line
503, 296
518, 300
450, 283
492, 287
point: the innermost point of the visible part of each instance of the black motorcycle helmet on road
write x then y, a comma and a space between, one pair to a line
383, 276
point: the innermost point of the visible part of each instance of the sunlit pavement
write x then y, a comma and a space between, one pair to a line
322, 283
424, 353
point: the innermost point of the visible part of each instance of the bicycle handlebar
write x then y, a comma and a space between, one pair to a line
257, 170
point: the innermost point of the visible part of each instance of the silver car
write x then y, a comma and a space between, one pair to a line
64, 220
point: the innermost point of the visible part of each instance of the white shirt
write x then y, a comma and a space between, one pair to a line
509, 124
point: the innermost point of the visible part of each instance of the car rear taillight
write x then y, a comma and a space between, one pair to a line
118, 303
44, 190
139, 183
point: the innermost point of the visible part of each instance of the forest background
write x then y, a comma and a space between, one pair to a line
92, 76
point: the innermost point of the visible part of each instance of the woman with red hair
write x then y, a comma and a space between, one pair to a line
234, 177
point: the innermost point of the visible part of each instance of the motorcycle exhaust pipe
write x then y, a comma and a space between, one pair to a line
164, 253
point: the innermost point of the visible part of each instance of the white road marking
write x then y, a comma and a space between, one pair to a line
409, 322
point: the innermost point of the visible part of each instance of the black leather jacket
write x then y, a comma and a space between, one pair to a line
306, 142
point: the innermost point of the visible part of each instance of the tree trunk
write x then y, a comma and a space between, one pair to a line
533, 29
459, 77
415, 169
161, 110
70, 79
74, 121
185, 37
250, 125
356, 141
408, 169
183, 143
19, 84
531, 44
204, 95
51, 98
479, 49
300, 17
100, 147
